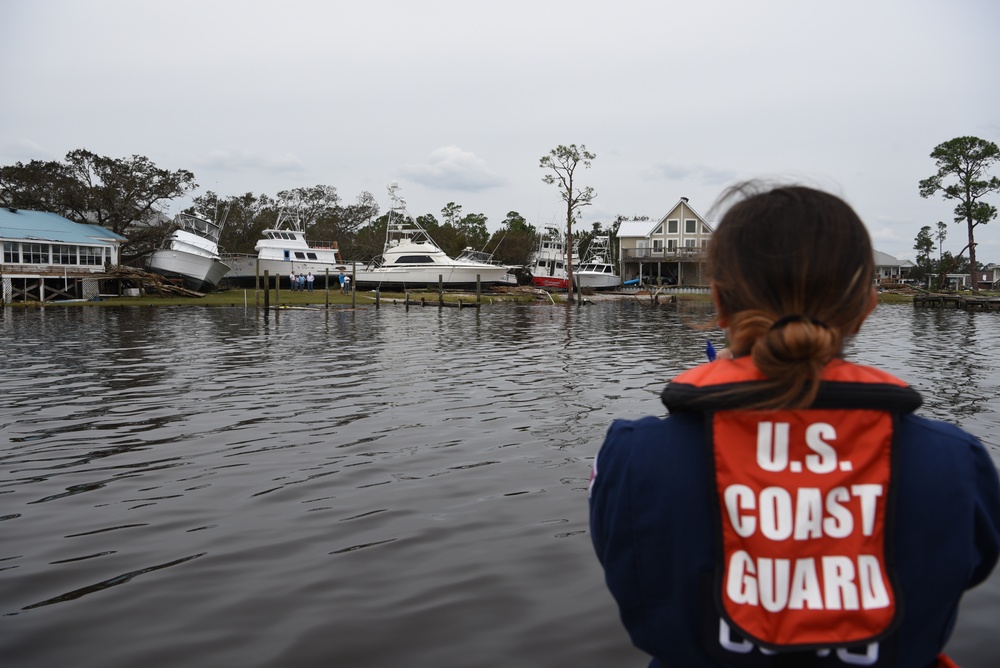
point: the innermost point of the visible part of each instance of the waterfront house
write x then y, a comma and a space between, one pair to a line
668, 251
890, 270
47, 257
988, 278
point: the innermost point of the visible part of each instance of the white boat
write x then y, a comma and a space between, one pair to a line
192, 253
482, 257
410, 258
284, 250
596, 271
549, 261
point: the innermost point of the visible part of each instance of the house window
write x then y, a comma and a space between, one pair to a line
704, 229
92, 255
657, 245
659, 229
690, 226
690, 243
671, 244
11, 252
672, 226
35, 253
63, 254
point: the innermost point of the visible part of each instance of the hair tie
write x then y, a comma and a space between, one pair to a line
797, 317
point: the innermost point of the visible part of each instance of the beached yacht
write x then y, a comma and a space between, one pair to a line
596, 271
284, 250
192, 253
410, 258
549, 262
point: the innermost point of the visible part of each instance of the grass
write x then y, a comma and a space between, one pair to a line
320, 298
317, 298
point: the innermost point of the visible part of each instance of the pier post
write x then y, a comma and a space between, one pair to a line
327, 284
479, 297
256, 283
267, 290
440, 291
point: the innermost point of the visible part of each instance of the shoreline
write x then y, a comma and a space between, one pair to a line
333, 298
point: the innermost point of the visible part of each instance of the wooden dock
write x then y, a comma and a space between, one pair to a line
958, 302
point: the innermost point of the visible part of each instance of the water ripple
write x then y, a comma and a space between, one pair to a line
347, 478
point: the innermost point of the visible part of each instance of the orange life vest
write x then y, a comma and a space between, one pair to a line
804, 504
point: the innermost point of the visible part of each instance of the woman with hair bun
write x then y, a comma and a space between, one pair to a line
792, 510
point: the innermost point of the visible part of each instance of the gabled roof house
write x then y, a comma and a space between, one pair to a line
47, 256
889, 269
669, 250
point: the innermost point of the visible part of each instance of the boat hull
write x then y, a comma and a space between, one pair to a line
199, 273
452, 277
552, 282
598, 281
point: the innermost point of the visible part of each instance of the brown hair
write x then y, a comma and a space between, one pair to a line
792, 268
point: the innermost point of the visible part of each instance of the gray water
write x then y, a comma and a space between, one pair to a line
216, 487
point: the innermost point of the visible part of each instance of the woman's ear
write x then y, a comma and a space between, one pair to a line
723, 317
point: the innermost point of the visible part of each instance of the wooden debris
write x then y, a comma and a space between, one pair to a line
149, 282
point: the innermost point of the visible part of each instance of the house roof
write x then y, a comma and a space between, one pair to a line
886, 260
644, 228
19, 224
636, 228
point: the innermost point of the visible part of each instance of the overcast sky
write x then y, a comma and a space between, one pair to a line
457, 100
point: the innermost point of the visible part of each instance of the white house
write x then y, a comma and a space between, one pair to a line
47, 257
889, 270
669, 250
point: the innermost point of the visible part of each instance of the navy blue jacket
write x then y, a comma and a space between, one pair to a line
651, 518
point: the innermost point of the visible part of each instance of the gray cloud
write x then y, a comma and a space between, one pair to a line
451, 168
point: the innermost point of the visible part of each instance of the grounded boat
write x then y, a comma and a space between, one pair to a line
284, 250
192, 253
596, 272
548, 265
410, 258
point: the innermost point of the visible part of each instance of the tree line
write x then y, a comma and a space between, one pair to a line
128, 196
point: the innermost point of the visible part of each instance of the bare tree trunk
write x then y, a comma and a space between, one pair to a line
569, 250
972, 257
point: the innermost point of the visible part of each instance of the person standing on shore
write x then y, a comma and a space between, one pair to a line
310, 279
792, 510
293, 281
